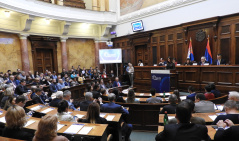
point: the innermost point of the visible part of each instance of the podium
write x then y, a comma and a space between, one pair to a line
160, 80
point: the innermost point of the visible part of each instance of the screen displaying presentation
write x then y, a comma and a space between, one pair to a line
108, 56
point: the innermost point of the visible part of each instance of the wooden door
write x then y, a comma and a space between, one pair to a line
44, 59
141, 54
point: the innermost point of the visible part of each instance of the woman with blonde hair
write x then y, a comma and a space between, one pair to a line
93, 114
47, 130
15, 120
8, 92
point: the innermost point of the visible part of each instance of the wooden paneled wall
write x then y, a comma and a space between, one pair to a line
223, 34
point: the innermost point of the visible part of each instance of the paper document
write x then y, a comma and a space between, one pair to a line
171, 117
110, 117
220, 107
85, 130
215, 107
183, 97
102, 115
74, 128
137, 99
79, 116
166, 99
141, 94
59, 126
29, 122
213, 117
47, 110
2, 119
36, 108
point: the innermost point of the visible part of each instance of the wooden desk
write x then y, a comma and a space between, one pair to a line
147, 95
8, 139
205, 116
211, 131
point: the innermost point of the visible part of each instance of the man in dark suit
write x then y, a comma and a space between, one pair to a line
230, 134
20, 89
117, 83
111, 107
96, 91
36, 98
59, 97
219, 60
53, 87
88, 100
184, 130
171, 108
11, 81
203, 61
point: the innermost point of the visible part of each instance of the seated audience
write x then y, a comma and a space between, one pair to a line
93, 115
57, 100
33, 90
117, 95
36, 81
46, 130
12, 81
216, 92
15, 120
153, 99
103, 95
102, 85
20, 89
117, 83
231, 113
8, 92
67, 97
44, 96
67, 82
111, 107
109, 84
171, 108
203, 106
219, 60
60, 84
21, 101
62, 112
74, 82
9, 102
88, 100
96, 91
230, 134
208, 93
81, 78
104, 75
31, 75
233, 95
111, 74
131, 97
47, 81
192, 93
37, 97
176, 92
53, 86
18, 80
184, 130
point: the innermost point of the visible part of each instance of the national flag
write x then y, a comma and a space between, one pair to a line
208, 53
190, 51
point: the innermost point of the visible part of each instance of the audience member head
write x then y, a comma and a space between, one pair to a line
89, 96
33, 88
116, 79
203, 59
15, 117
233, 95
183, 112
140, 61
21, 100
212, 85
47, 128
231, 107
23, 82
96, 87
199, 97
93, 112
109, 81
111, 97
153, 91
191, 89
131, 96
11, 77
38, 91
191, 103
9, 91
207, 88
103, 91
101, 81
67, 95
173, 99
176, 92
60, 81
59, 94
88, 88
63, 106
54, 81
116, 92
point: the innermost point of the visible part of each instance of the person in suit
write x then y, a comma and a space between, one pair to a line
62, 112
216, 92
11, 81
96, 91
15, 120
67, 97
208, 94
231, 113
111, 107
46, 130
20, 89
117, 83
188, 62
233, 95
131, 97
154, 99
47, 81
88, 100
31, 75
202, 106
36, 98
192, 93
219, 60
53, 87
60, 84
203, 61
58, 99
171, 108
21, 101
184, 130
109, 84
93, 115
162, 62
230, 134
36, 81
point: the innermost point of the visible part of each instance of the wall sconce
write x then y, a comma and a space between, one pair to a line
7, 13
47, 21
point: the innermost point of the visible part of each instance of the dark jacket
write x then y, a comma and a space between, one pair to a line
223, 62
233, 117
192, 96
230, 134
53, 88
84, 105
36, 99
96, 94
183, 132
98, 120
216, 93
171, 109
20, 89
17, 134
54, 102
